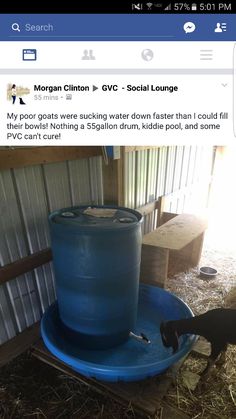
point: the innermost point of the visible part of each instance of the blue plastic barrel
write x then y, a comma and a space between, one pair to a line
96, 256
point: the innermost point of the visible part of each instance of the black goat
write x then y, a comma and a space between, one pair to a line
218, 326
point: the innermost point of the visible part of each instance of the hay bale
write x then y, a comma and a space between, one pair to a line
230, 299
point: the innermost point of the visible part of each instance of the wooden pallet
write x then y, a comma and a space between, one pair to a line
146, 397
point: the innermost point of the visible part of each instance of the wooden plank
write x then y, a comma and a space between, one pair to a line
121, 177
113, 180
148, 208
21, 157
176, 233
131, 148
161, 205
180, 260
19, 344
144, 396
154, 265
167, 216
197, 250
171, 412
189, 256
110, 182
24, 265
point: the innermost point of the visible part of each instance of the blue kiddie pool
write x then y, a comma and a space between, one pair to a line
129, 361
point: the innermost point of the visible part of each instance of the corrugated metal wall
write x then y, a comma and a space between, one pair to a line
180, 172
26, 197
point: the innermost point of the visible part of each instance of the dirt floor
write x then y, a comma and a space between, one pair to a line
31, 389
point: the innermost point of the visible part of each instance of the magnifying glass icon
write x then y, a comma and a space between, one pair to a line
15, 27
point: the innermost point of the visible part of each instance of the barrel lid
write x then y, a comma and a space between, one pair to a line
96, 217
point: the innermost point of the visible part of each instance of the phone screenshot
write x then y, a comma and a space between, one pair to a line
117, 211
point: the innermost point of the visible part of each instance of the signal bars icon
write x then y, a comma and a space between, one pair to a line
168, 7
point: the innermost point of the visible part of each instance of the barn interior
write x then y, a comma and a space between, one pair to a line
171, 187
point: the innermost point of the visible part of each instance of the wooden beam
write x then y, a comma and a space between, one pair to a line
113, 178
19, 344
24, 265
148, 208
121, 177
130, 148
110, 182
22, 157
161, 205
167, 216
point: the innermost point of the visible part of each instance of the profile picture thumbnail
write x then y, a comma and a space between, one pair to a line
15, 93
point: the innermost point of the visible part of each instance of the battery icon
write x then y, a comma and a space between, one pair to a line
194, 6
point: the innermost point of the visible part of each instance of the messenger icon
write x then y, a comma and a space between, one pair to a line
189, 27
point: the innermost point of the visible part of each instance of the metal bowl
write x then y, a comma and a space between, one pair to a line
208, 272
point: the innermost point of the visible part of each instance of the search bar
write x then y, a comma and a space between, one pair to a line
29, 27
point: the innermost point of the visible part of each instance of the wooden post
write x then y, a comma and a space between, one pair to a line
161, 203
121, 177
110, 182
113, 180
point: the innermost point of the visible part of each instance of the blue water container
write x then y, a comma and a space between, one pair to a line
96, 256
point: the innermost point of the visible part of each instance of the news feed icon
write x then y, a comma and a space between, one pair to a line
15, 93
29, 54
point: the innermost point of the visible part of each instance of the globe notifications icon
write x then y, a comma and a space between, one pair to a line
147, 54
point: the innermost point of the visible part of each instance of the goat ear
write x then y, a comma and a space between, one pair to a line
175, 344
